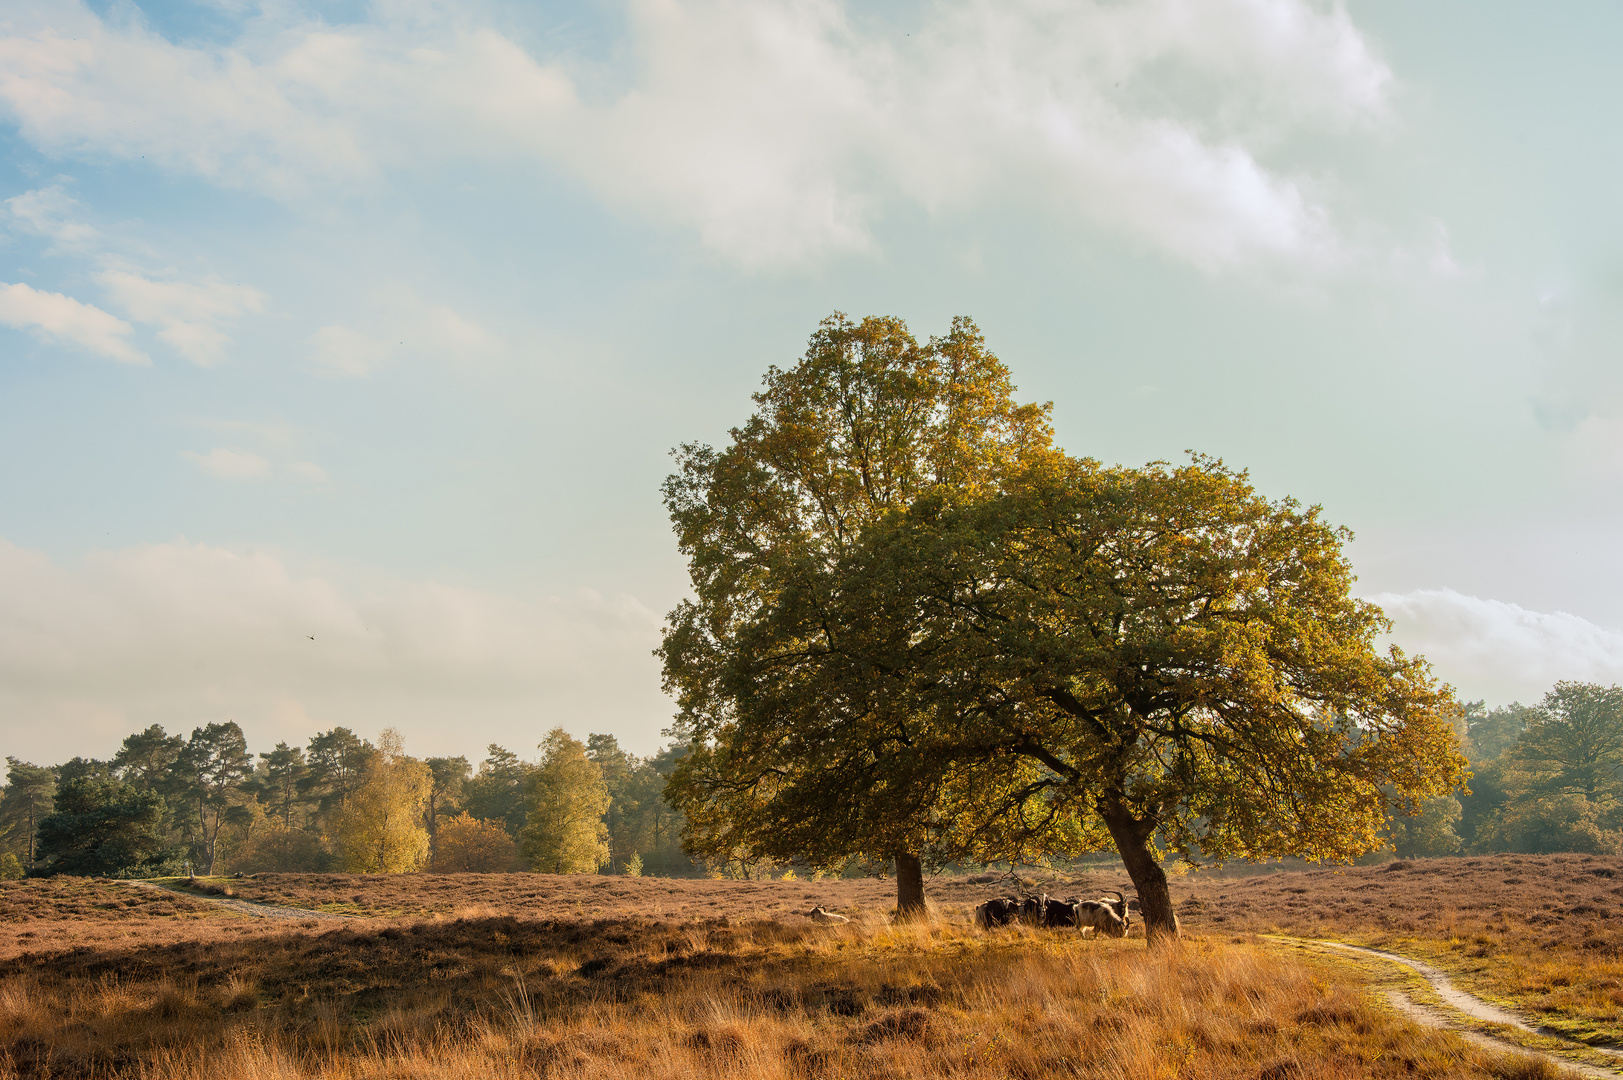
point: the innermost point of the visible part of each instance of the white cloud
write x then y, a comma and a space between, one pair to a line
1595, 445
57, 318
186, 312
1501, 651
308, 471
776, 131
164, 301
1436, 260
187, 315
183, 633
444, 332
50, 211
414, 327
279, 435
225, 463
344, 351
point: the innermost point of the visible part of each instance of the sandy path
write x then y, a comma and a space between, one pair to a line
261, 911
1469, 1005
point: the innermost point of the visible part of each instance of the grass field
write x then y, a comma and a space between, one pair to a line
1542, 934
535, 975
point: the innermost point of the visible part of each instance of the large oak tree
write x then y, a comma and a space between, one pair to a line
1041, 657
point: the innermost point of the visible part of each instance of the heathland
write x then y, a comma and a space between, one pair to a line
483, 975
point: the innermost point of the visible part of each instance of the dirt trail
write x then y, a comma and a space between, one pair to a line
1469, 1005
262, 911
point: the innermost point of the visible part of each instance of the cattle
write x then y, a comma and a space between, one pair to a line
1033, 908
1058, 914
1101, 917
1105, 917
818, 915
1120, 905
1000, 911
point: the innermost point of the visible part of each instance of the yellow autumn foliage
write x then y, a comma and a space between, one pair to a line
379, 830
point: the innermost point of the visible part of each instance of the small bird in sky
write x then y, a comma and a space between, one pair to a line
312, 637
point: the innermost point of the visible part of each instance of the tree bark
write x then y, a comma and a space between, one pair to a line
909, 887
1132, 837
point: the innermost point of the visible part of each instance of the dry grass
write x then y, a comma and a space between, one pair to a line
1542, 933
64, 915
57, 900
586, 896
536, 975
1538, 933
500, 996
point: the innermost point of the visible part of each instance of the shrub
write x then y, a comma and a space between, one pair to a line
1430, 832
1558, 823
274, 848
466, 845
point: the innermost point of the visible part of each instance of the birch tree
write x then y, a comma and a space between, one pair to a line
379, 830
564, 831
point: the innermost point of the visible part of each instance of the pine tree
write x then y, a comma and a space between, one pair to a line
564, 833
498, 792
625, 819
209, 771
27, 801
104, 828
449, 774
281, 782
336, 760
146, 758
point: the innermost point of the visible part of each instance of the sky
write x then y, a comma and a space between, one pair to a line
343, 345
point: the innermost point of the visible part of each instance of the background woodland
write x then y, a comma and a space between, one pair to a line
1547, 778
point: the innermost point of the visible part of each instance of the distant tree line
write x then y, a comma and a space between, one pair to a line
1547, 778
173, 804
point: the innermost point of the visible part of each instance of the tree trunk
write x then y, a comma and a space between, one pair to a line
1154, 898
207, 837
909, 887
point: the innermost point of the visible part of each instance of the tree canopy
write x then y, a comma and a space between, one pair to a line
565, 833
207, 772
498, 792
104, 828
380, 828
1038, 655
866, 423
26, 802
1573, 743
